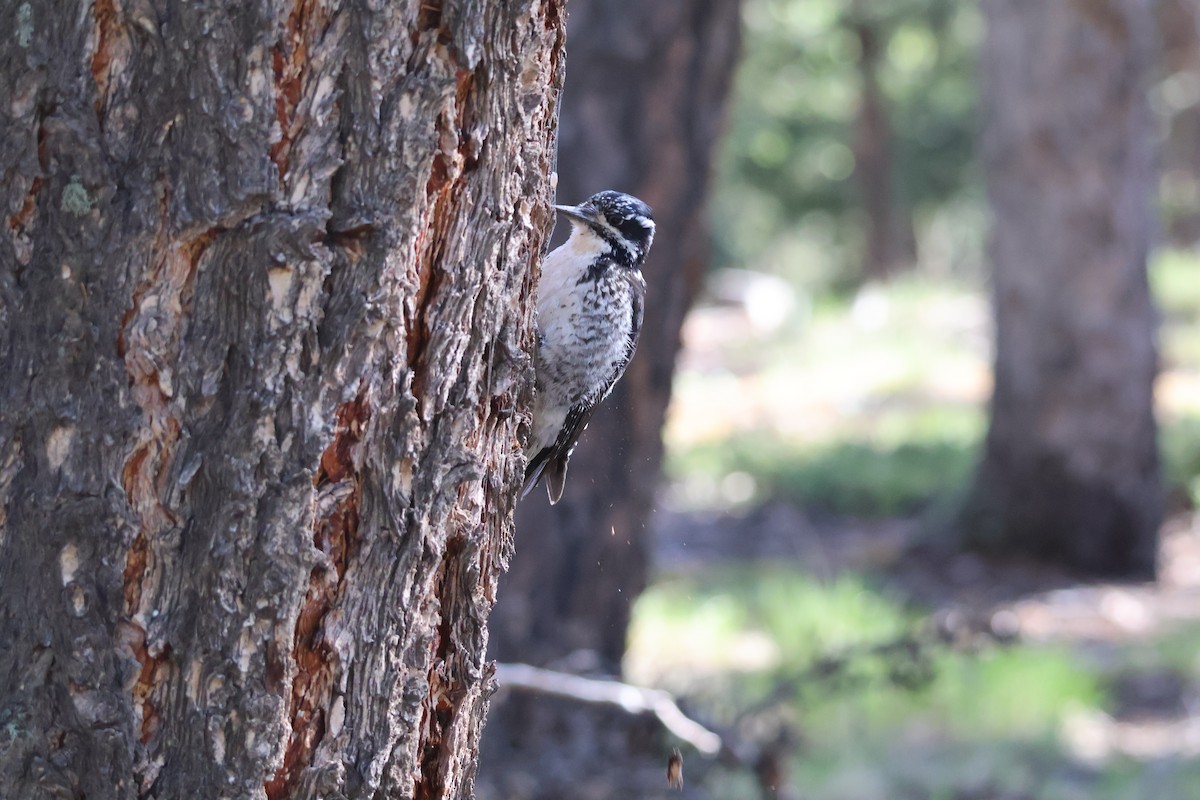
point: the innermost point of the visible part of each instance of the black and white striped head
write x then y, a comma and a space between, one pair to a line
625, 222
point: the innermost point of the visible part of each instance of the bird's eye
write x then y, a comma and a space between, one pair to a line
635, 228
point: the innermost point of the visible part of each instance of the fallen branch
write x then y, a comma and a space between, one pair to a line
632, 699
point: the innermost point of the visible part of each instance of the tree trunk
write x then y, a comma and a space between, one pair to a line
1070, 470
641, 114
890, 238
263, 299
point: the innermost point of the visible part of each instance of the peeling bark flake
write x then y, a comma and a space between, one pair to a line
149, 342
449, 689
290, 62
151, 672
104, 51
317, 663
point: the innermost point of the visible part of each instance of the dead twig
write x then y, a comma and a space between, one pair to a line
632, 699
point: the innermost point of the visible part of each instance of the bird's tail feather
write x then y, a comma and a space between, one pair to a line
556, 478
552, 468
535, 468
532, 476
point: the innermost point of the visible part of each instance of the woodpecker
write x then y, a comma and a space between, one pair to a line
589, 314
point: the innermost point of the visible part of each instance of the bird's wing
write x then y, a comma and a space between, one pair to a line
552, 461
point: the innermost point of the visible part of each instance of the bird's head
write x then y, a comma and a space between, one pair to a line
621, 220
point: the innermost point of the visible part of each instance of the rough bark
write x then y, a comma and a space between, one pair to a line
263, 297
642, 110
1070, 471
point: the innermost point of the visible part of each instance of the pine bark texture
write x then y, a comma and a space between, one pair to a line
264, 281
643, 107
1070, 471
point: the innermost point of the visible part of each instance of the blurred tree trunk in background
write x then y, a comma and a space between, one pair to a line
642, 112
1070, 470
263, 295
891, 244
1179, 28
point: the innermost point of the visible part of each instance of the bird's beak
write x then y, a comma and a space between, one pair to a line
584, 213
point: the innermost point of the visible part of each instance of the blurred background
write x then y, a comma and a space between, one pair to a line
898, 495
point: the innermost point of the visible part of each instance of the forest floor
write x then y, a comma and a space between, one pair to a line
815, 453
865, 664
1116, 666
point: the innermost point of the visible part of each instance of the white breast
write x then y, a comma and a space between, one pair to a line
583, 330
563, 269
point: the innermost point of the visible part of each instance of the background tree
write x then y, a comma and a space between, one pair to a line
890, 244
851, 136
263, 287
1070, 470
641, 114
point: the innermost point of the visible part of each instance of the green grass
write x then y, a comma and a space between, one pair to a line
1177, 649
859, 478
984, 723
887, 475
1175, 281
690, 623
879, 430
871, 405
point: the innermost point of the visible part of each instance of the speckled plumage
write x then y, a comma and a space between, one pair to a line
589, 314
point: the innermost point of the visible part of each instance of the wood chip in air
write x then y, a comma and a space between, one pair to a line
675, 770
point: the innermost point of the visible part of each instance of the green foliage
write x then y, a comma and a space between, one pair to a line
1016, 691
867, 735
990, 724
1179, 441
872, 479
1175, 282
785, 198
859, 478
805, 617
1177, 649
